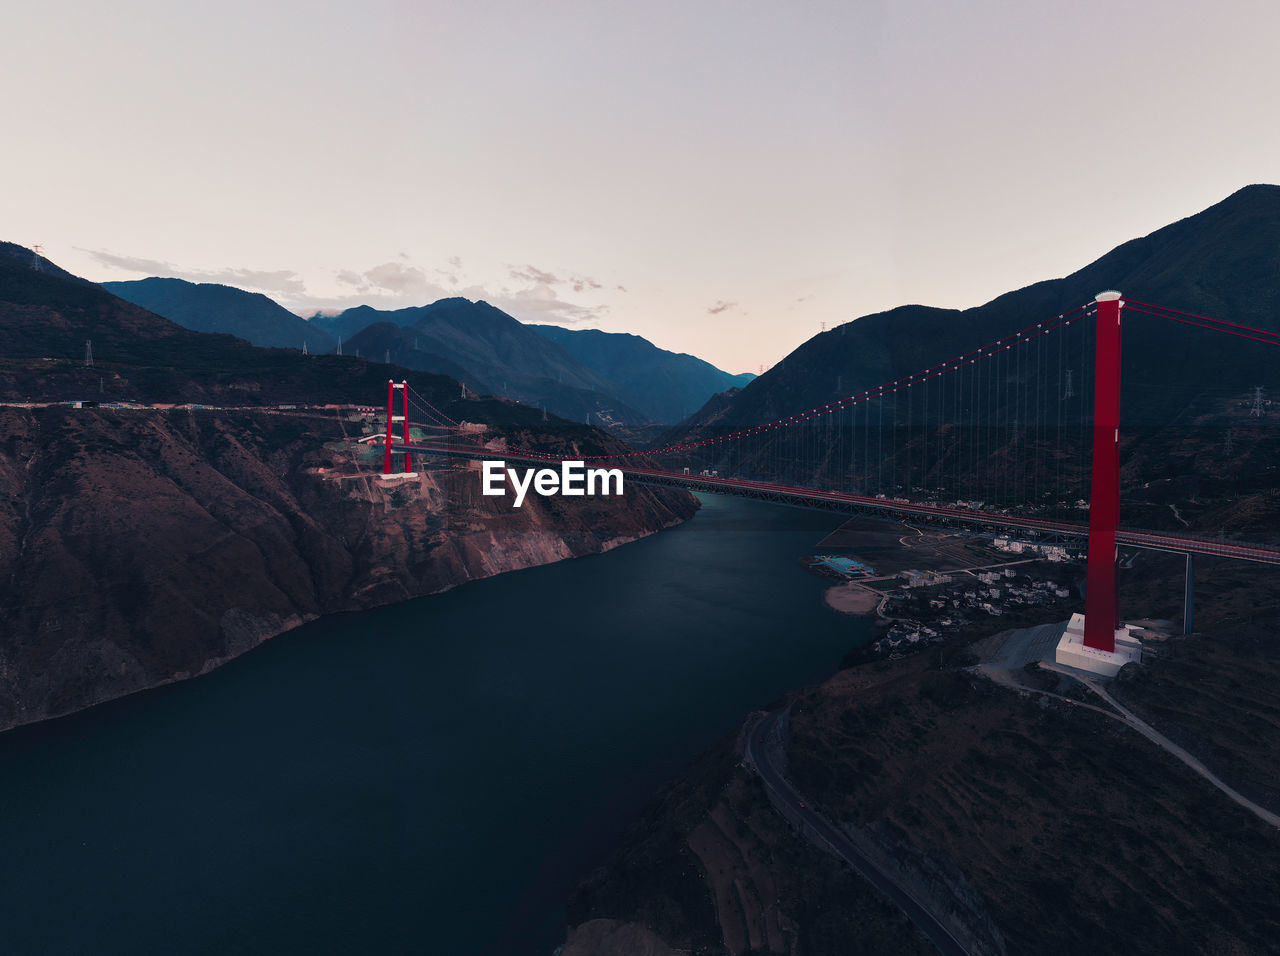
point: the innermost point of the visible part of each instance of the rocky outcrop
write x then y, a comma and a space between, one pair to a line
139, 547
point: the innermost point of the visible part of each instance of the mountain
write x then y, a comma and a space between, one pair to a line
666, 386
47, 316
350, 322
489, 351
1222, 262
387, 342
38, 263
1014, 428
206, 307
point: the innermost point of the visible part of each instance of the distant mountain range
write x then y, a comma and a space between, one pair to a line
490, 352
666, 386
149, 325
48, 315
206, 307
607, 378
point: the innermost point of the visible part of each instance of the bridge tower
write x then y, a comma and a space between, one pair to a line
392, 418
1096, 641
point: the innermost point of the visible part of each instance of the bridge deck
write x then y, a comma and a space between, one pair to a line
845, 501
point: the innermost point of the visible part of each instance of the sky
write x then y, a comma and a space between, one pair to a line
723, 178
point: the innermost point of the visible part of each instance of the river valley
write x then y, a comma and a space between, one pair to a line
429, 777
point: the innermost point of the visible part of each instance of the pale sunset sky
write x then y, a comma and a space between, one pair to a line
722, 178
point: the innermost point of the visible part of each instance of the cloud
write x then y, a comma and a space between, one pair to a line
541, 303
719, 307
621, 288
551, 309
455, 261
396, 278
535, 275
130, 263
282, 281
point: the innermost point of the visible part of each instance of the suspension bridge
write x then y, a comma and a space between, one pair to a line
997, 437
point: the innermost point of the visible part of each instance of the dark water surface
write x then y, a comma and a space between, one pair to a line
426, 778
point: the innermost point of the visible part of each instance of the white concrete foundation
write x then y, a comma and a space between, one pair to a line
399, 474
1073, 653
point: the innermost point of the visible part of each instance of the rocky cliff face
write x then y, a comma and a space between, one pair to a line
139, 547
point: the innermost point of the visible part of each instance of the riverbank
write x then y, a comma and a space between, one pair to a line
138, 550
853, 599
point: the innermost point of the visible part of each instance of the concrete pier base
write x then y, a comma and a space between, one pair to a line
1073, 653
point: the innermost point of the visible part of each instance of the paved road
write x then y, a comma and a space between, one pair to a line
838, 842
1160, 740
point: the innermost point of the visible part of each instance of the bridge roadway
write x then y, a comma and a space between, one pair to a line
843, 500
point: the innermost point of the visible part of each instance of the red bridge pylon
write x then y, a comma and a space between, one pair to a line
392, 418
1096, 642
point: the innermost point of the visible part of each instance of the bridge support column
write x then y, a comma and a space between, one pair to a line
386, 447
1189, 597
1102, 610
392, 418
404, 405
1097, 643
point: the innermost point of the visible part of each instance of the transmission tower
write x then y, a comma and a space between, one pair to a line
88, 353
388, 358
304, 347
1070, 390
1256, 411
36, 249
1230, 442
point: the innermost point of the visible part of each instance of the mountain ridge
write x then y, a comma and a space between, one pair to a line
667, 386
1219, 261
213, 307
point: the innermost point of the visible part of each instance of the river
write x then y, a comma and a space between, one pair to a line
431, 777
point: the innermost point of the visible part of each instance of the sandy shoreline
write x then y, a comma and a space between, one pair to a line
853, 599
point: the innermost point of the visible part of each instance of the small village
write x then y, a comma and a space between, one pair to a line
920, 608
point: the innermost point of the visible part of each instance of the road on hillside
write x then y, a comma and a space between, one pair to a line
835, 840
